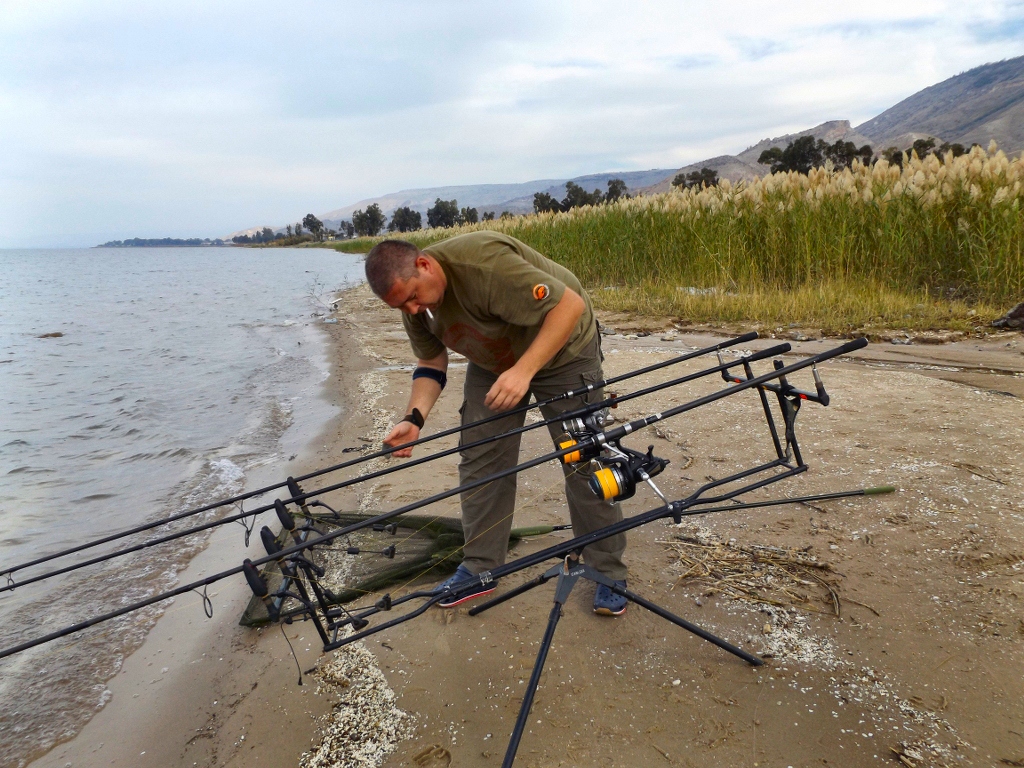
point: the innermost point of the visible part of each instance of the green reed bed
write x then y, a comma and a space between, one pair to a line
938, 243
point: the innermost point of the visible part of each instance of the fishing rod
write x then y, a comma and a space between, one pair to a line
676, 510
300, 497
292, 482
607, 437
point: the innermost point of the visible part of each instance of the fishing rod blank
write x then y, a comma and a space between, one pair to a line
385, 516
300, 497
752, 335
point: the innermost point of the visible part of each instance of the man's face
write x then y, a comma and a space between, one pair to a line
424, 290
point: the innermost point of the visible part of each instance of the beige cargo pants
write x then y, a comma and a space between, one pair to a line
487, 511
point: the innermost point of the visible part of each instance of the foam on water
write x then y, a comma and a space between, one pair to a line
179, 371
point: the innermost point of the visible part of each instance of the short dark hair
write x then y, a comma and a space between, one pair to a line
387, 261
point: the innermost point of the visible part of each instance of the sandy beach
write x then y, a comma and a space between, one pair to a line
920, 664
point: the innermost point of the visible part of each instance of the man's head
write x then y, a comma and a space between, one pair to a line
405, 277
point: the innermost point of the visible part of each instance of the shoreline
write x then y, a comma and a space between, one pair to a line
457, 676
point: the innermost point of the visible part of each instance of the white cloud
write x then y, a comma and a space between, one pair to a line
195, 119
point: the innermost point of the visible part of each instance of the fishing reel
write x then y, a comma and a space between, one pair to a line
615, 477
579, 430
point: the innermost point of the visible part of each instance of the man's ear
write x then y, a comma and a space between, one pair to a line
422, 263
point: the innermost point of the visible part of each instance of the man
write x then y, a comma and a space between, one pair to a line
527, 327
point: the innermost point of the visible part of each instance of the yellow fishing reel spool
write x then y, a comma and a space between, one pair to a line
607, 483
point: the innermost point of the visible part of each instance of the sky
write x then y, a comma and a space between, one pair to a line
197, 119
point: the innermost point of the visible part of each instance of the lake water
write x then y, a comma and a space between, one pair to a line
179, 371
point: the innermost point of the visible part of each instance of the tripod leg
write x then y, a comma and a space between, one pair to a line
600, 578
702, 633
531, 689
542, 579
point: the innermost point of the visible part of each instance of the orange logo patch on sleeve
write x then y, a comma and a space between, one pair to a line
541, 292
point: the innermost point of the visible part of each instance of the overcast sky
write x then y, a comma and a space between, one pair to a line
178, 119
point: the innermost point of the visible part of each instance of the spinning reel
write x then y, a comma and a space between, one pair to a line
579, 430
615, 477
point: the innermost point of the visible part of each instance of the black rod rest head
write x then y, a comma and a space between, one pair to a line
269, 541
256, 582
295, 490
384, 604
287, 521
389, 552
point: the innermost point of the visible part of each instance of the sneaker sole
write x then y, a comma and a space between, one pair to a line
461, 600
609, 611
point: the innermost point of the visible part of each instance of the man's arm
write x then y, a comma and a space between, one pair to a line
556, 329
425, 392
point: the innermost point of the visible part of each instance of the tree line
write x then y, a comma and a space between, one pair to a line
807, 152
576, 197
442, 214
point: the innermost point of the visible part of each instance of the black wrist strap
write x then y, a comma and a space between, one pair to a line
415, 417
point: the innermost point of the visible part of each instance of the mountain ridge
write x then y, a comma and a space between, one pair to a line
979, 105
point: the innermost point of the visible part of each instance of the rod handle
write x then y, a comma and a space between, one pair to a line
879, 489
851, 346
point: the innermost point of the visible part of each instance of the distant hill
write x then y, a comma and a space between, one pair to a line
979, 105
982, 104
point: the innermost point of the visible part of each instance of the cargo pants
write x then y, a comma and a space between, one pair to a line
487, 511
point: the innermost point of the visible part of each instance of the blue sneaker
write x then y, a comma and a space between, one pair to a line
463, 574
608, 603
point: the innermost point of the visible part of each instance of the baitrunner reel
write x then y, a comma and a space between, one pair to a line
615, 477
577, 430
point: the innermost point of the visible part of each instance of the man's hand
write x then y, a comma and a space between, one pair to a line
508, 390
404, 432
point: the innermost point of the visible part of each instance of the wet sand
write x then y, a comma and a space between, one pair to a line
922, 661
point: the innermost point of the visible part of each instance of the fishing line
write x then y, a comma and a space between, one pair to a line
300, 497
376, 455
599, 439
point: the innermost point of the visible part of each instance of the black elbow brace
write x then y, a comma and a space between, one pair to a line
431, 373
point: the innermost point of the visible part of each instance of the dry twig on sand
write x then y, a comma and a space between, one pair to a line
754, 573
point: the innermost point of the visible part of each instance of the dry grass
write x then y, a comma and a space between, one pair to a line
755, 574
938, 243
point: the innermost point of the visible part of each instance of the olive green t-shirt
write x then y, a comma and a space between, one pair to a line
499, 291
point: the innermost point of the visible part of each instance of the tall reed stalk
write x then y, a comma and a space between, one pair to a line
931, 244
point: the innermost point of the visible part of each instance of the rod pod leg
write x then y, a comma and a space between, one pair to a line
569, 573
544, 578
600, 578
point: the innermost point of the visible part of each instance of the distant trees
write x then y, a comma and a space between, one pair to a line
923, 148
576, 196
444, 213
370, 222
544, 203
705, 177
506, 215
467, 216
807, 152
488, 216
314, 225
617, 190
405, 219
346, 230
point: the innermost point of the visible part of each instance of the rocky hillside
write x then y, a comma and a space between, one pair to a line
982, 104
979, 105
